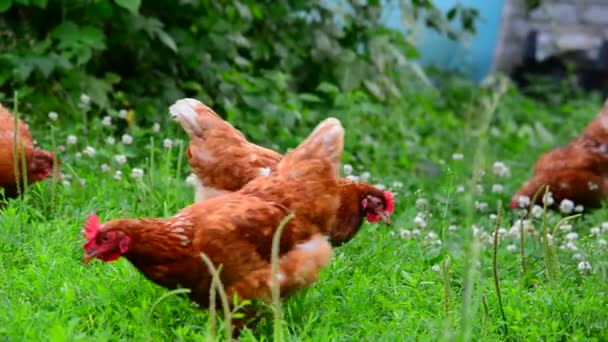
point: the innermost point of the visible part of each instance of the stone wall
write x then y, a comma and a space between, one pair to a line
562, 25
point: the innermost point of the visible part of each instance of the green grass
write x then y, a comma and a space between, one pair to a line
382, 286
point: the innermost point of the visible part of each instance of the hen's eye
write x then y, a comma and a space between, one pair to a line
105, 238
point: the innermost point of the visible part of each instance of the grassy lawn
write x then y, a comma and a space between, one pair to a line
449, 158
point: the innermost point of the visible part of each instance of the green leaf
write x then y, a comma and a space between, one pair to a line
166, 39
23, 2
131, 5
93, 37
5, 5
40, 3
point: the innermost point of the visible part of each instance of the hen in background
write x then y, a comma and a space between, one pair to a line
39, 164
224, 161
577, 171
236, 230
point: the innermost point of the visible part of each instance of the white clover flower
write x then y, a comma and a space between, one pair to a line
78, 155
111, 140
571, 236
592, 186
120, 159
118, 175
105, 167
595, 231
578, 256
167, 143
397, 185
405, 234
579, 208
458, 156
523, 201
123, 113
604, 226
537, 211
452, 227
392, 233
584, 266
106, 121
137, 173
497, 188
348, 169
502, 231
512, 248
422, 204
602, 242
565, 227
191, 180
479, 189
500, 169
127, 139
481, 206
493, 216
82, 181
570, 246
53, 116
66, 182
416, 232
548, 198
566, 206
156, 127
460, 188
380, 186
419, 222
72, 139
89, 151
365, 176
432, 235
352, 177
436, 268
61, 148
85, 99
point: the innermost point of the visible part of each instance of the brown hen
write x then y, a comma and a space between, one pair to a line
224, 161
38, 163
577, 171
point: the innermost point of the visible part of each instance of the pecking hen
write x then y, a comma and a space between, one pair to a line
577, 171
39, 164
236, 230
224, 161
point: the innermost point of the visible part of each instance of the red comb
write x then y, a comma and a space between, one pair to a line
91, 227
390, 202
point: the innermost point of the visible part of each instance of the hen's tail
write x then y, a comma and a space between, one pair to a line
196, 118
325, 142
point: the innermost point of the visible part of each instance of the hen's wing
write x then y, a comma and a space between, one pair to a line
219, 155
7, 149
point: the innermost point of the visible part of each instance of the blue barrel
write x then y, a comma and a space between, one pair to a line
473, 58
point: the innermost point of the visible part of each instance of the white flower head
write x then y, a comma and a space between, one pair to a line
602, 242
419, 222
137, 173
72, 139
123, 113
191, 180
397, 185
127, 139
523, 201
78, 155
584, 266
85, 99
500, 169
111, 140
579, 208
548, 198
512, 248
566, 206
537, 211
89, 151
497, 188
405, 234
460, 188
106, 121
105, 167
595, 231
380, 186
118, 175
458, 156
481, 206
571, 236
348, 169
452, 227
436, 268
479, 189
53, 116
156, 127
365, 176
422, 204
167, 143
578, 256
120, 159
604, 226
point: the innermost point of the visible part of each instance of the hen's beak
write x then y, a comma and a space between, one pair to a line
89, 256
386, 217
